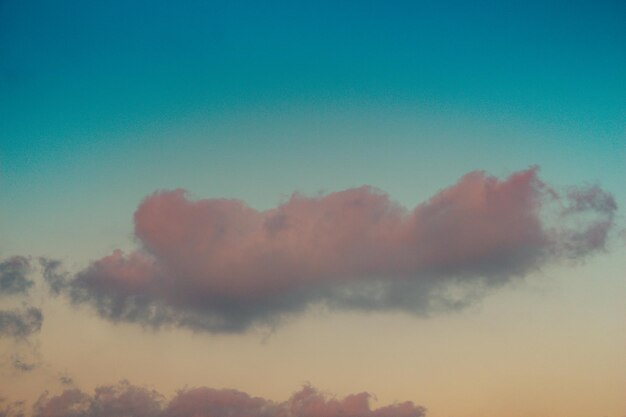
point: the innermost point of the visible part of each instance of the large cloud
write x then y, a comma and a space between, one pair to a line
125, 399
220, 265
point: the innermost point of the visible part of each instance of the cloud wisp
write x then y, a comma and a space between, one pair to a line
127, 399
19, 322
221, 266
14, 276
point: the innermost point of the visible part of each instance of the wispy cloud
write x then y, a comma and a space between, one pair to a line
14, 276
21, 365
66, 380
127, 399
20, 323
19, 319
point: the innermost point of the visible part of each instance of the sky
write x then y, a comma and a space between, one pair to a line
312, 209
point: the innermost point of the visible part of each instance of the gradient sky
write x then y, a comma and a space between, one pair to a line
103, 104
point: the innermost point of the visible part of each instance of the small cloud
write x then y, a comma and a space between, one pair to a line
13, 276
22, 366
65, 379
20, 323
56, 278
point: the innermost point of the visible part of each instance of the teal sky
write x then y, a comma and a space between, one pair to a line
103, 104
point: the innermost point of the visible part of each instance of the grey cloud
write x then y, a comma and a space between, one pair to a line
22, 366
20, 323
65, 379
53, 275
13, 276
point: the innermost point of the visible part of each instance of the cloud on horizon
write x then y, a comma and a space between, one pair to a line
126, 399
219, 265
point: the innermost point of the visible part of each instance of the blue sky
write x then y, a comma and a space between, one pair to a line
102, 104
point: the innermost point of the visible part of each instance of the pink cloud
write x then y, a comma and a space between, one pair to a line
225, 402
311, 403
126, 399
122, 399
220, 265
71, 403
